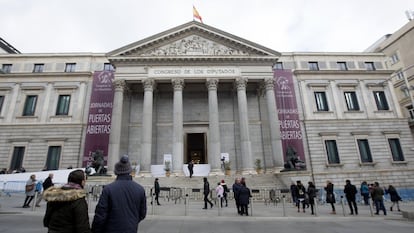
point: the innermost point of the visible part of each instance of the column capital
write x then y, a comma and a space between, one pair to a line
120, 85
269, 83
149, 84
212, 83
178, 84
241, 83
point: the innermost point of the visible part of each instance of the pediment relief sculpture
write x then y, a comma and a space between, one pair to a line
194, 45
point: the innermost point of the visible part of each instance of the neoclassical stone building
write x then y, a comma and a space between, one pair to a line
195, 92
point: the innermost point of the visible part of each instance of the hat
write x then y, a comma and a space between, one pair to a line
123, 167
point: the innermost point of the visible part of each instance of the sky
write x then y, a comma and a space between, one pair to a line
100, 26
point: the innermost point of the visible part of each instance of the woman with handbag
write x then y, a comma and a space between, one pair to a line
30, 191
330, 196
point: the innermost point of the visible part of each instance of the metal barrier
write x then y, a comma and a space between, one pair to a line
10, 187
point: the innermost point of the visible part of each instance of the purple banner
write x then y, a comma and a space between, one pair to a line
99, 117
290, 130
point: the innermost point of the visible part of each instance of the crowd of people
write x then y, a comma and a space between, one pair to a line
122, 204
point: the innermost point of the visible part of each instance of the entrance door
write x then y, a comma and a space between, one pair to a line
196, 148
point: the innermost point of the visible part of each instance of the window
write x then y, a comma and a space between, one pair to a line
381, 100
351, 101
332, 152
6, 68
406, 92
321, 101
278, 66
30, 105
38, 68
364, 151
313, 65
53, 158
342, 66
1, 102
369, 65
63, 105
17, 159
108, 67
394, 58
410, 110
399, 75
396, 151
70, 67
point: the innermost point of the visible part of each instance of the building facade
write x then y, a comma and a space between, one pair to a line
195, 92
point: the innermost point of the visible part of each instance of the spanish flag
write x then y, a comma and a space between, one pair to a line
196, 14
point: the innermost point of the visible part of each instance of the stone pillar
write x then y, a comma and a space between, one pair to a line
116, 123
277, 149
214, 148
178, 146
246, 150
146, 143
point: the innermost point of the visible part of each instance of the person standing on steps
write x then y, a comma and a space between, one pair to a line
311, 194
365, 192
206, 192
350, 192
330, 196
156, 191
226, 190
236, 188
190, 167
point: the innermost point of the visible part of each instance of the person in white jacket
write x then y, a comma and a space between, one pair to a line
220, 192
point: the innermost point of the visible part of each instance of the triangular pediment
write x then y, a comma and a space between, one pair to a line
193, 40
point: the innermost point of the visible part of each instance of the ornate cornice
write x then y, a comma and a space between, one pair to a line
120, 85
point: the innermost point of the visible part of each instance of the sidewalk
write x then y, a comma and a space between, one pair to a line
258, 209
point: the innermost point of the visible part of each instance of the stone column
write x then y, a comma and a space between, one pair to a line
214, 148
178, 146
277, 149
246, 150
116, 123
146, 143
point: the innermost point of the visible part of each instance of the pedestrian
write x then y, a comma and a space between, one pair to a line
236, 188
38, 193
244, 198
67, 209
378, 197
365, 192
226, 191
157, 191
47, 183
219, 193
206, 192
330, 195
311, 195
301, 195
122, 204
394, 196
29, 190
293, 193
191, 168
350, 193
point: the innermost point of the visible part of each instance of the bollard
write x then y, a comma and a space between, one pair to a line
251, 206
152, 204
283, 205
34, 202
219, 206
342, 204
186, 204
370, 208
315, 207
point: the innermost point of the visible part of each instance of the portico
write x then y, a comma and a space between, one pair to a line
195, 92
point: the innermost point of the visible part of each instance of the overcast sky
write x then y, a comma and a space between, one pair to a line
44, 26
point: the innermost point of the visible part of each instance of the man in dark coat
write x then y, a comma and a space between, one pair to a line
122, 204
244, 198
191, 168
206, 192
157, 190
236, 188
350, 192
46, 184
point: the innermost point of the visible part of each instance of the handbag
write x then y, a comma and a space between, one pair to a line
29, 187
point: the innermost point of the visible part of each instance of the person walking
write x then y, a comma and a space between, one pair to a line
378, 197
29, 190
244, 198
66, 209
301, 195
236, 188
156, 191
122, 204
47, 183
294, 193
190, 167
311, 195
394, 196
226, 191
206, 192
220, 193
330, 195
365, 192
350, 193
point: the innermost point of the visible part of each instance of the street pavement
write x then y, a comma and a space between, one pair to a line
188, 216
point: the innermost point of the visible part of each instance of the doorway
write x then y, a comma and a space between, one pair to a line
196, 148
